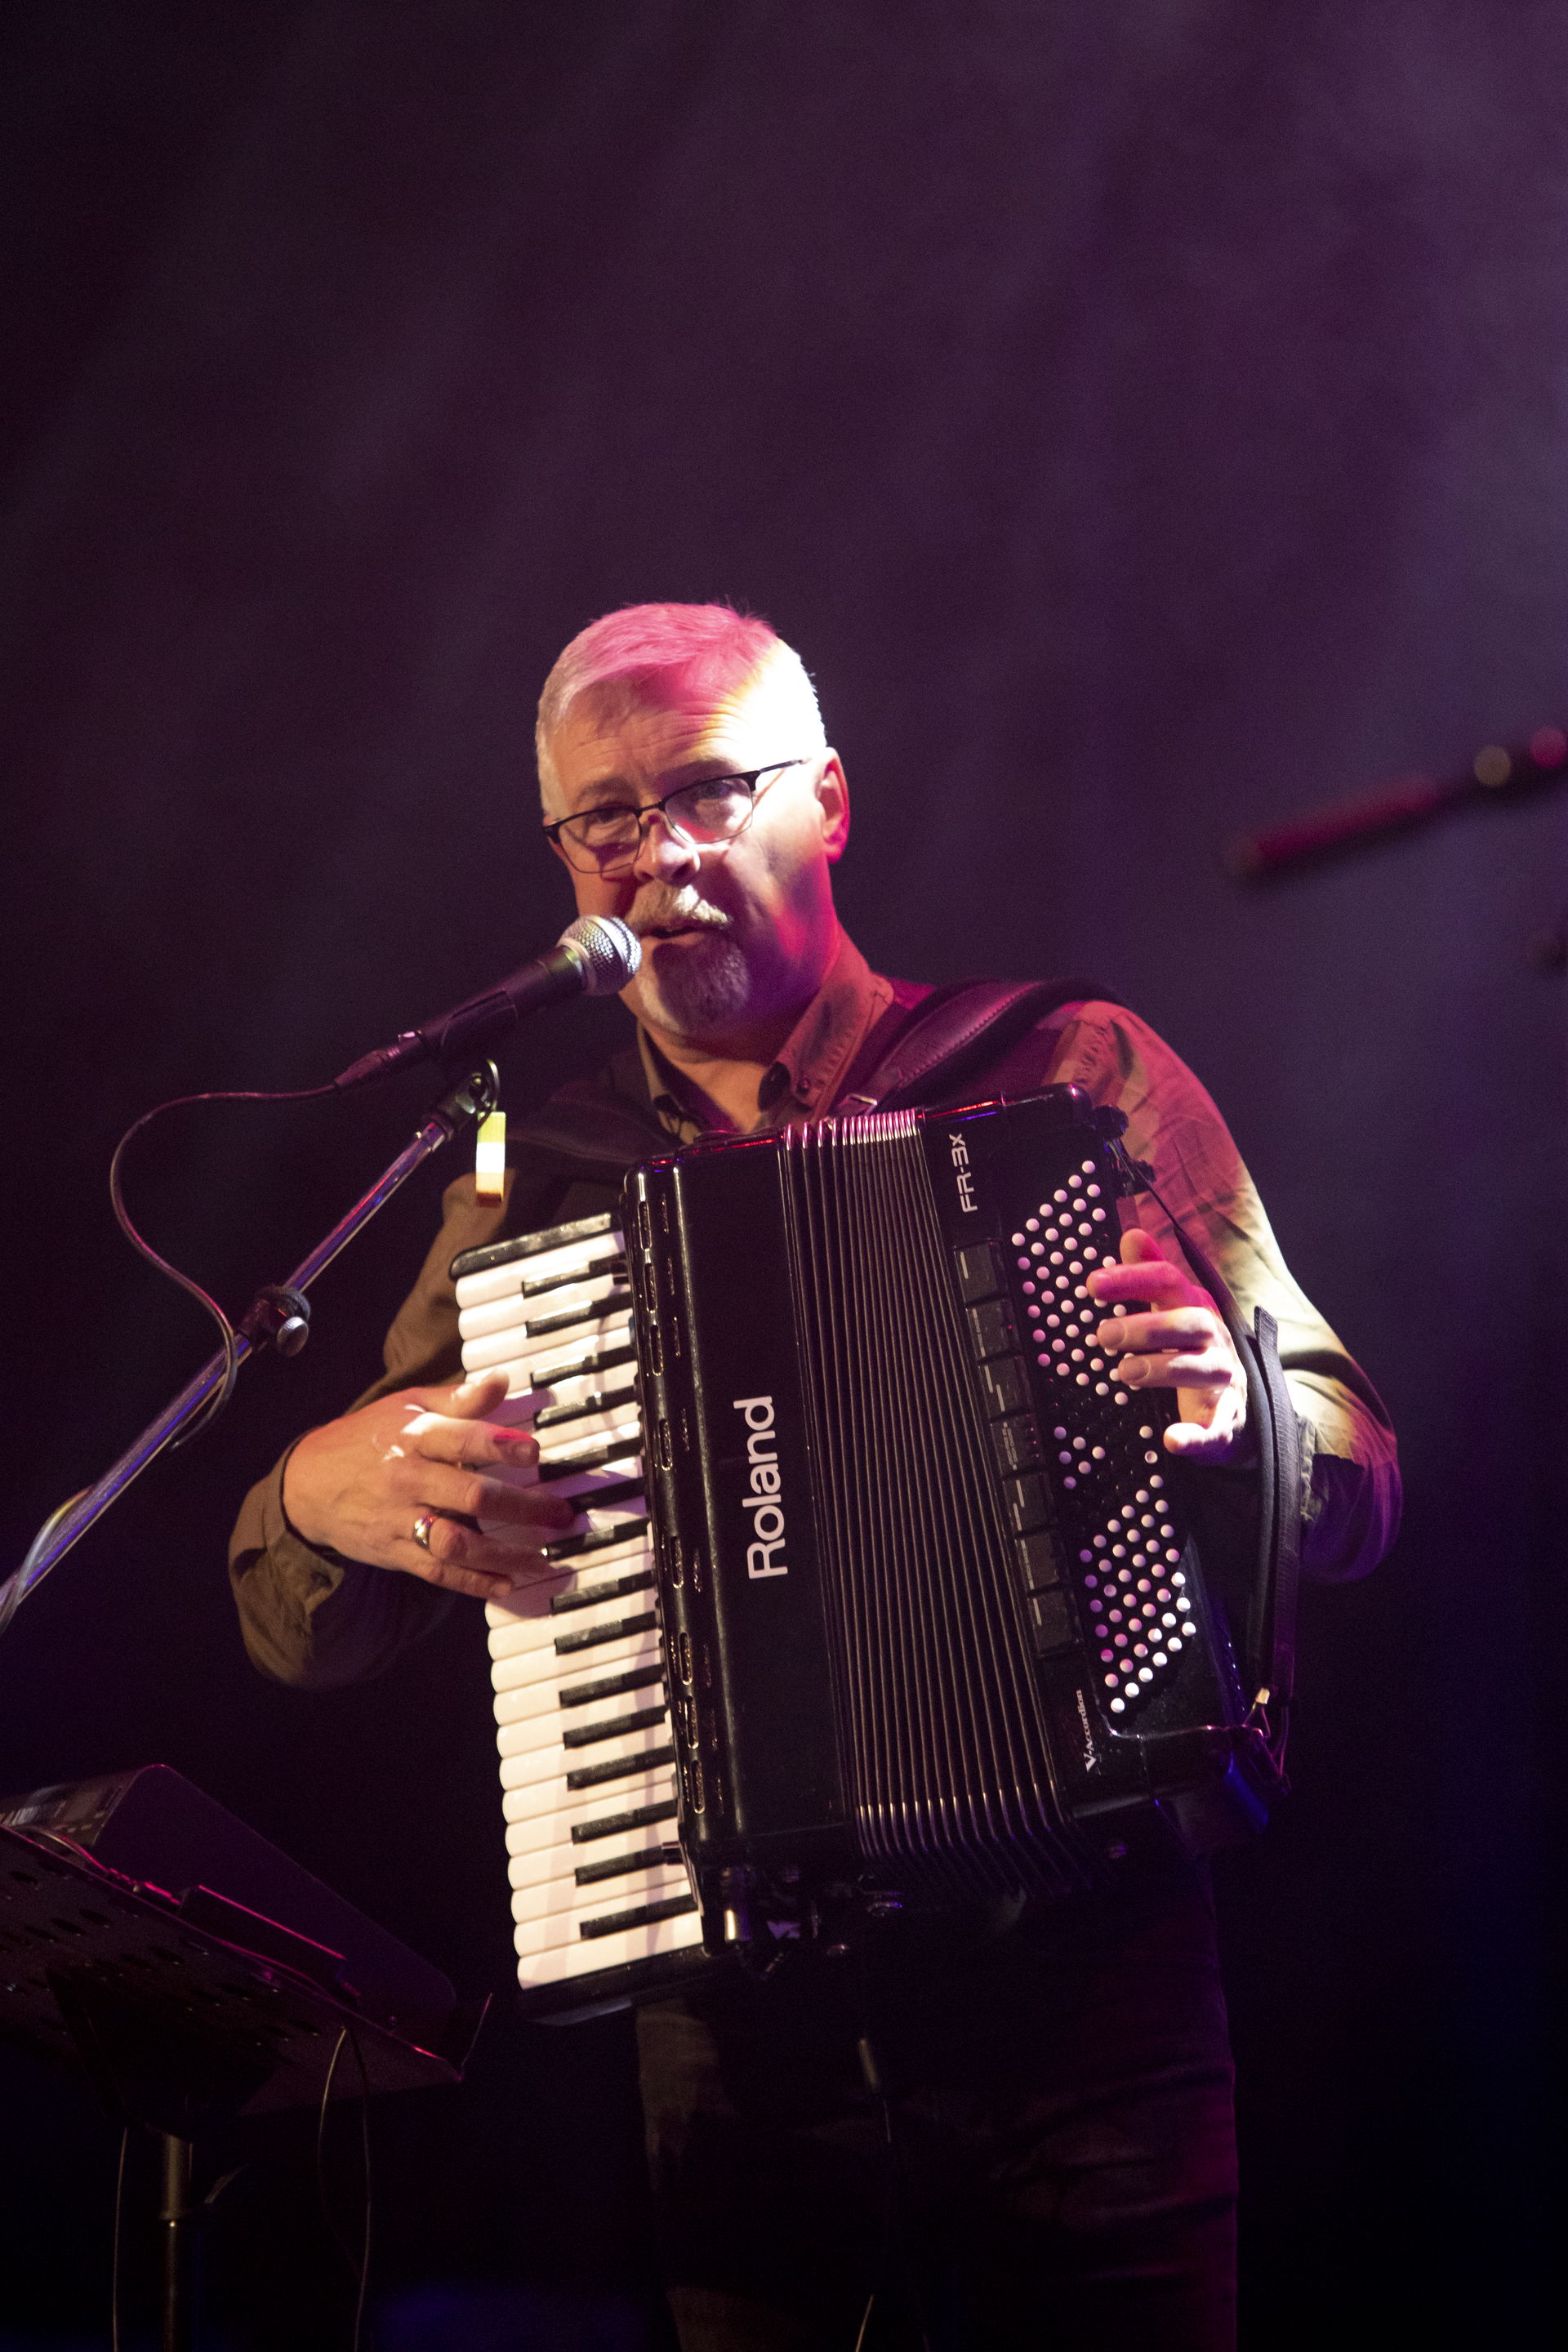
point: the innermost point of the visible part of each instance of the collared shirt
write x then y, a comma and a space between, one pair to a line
813, 1060
311, 1617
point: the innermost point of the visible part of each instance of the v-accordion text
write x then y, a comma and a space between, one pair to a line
883, 1589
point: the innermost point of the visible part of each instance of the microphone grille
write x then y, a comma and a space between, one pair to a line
608, 951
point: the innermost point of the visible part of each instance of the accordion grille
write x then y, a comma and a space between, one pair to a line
944, 1747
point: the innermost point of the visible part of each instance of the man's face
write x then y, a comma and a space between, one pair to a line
737, 936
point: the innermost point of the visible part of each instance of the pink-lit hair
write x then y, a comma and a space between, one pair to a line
658, 652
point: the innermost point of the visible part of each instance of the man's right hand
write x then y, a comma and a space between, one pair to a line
357, 1486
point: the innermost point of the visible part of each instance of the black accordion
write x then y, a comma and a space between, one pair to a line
885, 1592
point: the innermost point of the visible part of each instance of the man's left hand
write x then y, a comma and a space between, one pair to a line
1178, 1341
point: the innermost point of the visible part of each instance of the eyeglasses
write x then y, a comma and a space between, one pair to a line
607, 840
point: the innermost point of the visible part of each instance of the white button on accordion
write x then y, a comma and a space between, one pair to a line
882, 1588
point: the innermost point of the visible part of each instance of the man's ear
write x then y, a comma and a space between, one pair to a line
833, 800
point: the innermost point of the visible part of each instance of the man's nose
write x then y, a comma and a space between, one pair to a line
662, 852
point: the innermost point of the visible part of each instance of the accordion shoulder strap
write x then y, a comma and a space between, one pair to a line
1270, 1653
951, 1035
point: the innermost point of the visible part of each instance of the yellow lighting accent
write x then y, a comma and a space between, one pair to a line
490, 1157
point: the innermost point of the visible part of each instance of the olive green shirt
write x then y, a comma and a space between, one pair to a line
313, 1618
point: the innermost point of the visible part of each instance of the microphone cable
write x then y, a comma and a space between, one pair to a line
185, 1282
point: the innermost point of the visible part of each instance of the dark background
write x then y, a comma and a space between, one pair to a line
1148, 422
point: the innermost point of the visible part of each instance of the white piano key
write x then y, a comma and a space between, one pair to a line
632, 1556
558, 1381
565, 1902
557, 1763
562, 1930
532, 1671
605, 1522
532, 1865
567, 1349
532, 1637
619, 1512
525, 1307
498, 1314
608, 1474
530, 1626
540, 1817
544, 1266
604, 1348
619, 1420
561, 1443
614, 1472
585, 1423
624, 1642
568, 1368
586, 1956
522, 1402
484, 1304
521, 1693
525, 1732
564, 1447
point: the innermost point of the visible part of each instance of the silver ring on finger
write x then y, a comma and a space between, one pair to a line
422, 1527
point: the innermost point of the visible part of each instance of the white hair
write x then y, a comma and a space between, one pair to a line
657, 654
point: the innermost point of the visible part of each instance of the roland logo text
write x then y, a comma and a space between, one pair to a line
764, 1499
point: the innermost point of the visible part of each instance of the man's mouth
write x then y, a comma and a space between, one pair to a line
677, 922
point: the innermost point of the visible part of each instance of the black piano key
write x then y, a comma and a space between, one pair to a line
594, 1637
606, 1498
637, 1817
574, 1547
526, 1245
608, 1588
621, 1865
610, 1686
612, 1263
672, 1907
605, 1363
588, 1735
555, 1416
593, 1457
539, 1327
619, 1768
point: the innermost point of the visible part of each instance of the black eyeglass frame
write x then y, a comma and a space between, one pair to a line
643, 811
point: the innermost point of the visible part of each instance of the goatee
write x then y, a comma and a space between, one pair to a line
699, 988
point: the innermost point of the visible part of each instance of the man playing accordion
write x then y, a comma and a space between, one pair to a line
1056, 2082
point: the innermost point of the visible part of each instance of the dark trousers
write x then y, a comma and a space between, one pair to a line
1054, 2165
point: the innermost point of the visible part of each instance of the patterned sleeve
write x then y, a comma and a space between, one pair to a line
1352, 1497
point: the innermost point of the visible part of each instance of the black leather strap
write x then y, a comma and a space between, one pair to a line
1271, 1632
1270, 1657
954, 1030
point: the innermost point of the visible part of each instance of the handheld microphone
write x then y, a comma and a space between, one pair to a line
595, 956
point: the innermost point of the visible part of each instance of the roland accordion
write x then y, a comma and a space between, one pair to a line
883, 1592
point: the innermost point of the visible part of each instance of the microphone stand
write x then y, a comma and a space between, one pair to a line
278, 1316
1496, 774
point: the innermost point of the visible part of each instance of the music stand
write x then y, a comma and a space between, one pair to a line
190, 2009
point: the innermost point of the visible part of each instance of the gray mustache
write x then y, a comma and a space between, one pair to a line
659, 908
